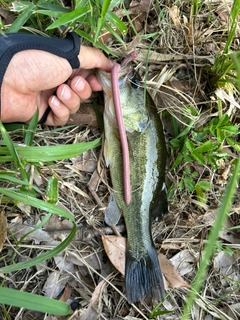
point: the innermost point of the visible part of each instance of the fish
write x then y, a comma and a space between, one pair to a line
147, 158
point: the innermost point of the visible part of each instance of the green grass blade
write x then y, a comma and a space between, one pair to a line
22, 18
49, 13
42, 257
118, 23
105, 6
52, 190
114, 33
51, 153
91, 39
37, 203
13, 152
8, 178
30, 132
233, 23
69, 17
100, 23
33, 302
15, 126
48, 5
46, 207
212, 239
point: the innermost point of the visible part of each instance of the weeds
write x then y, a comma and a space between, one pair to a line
25, 192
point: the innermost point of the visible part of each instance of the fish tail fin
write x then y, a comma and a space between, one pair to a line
143, 276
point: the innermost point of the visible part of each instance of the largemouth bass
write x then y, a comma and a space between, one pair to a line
147, 155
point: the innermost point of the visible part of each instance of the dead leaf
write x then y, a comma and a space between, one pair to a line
115, 248
139, 7
93, 186
35, 176
66, 293
55, 224
55, 284
93, 259
7, 16
223, 13
170, 273
174, 15
19, 230
86, 162
3, 229
63, 263
227, 266
226, 234
25, 208
85, 116
94, 181
183, 261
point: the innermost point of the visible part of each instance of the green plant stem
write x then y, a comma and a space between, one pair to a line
233, 23
213, 236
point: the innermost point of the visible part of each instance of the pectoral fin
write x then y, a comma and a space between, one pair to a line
112, 213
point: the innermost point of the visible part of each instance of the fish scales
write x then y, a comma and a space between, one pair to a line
147, 152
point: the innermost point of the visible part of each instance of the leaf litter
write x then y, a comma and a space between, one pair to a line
83, 274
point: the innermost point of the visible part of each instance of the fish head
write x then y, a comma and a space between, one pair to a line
131, 97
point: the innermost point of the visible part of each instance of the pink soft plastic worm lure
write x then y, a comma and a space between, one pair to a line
120, 124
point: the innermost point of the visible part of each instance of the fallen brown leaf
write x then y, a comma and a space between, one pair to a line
184, 261
66, 293
115, 248
227, 267
20, 230
86, 162
55, 284
171, 274
223, 13
85, 116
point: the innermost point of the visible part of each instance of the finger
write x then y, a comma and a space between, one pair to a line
94, 83
68, 97
91, 58
90, 77
59, 112
81, 87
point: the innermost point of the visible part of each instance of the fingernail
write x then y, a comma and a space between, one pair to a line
55, 101
66, 93
79, 85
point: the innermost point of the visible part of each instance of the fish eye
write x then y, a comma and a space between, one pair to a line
135, 83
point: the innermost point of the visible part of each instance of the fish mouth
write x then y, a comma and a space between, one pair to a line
124, 74
133, 55
126, 67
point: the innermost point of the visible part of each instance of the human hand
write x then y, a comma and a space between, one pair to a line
35, 79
